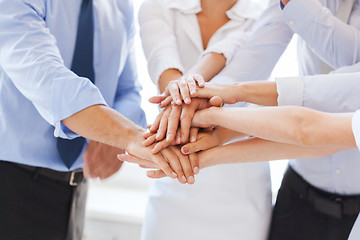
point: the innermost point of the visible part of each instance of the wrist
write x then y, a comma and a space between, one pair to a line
213, 116
208, 158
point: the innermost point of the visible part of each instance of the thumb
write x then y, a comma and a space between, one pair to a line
192, 147
216, 101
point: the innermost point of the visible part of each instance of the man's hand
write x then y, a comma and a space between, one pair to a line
101, 160
158, 173
170, 160
205, 141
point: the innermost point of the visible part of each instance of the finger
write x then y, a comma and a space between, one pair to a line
194, 161
216, 101
174, 92
156, 124
174, 162
166, 102
160, 145
149, 140
155, 174
193, 134
157, 99
148, 134
193, 147
178, 136
136, 160
191, 85
184, 90
200, 80
186, 167
148, 126
166, 164
161, 132
185, 122
173, 123
147, 167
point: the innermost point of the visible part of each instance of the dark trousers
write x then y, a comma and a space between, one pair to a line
37, 207
296, 215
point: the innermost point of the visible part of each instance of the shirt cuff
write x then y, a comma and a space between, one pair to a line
356, 127
69, 98
300, 14
290, 91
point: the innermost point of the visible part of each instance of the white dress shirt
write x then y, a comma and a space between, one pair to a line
256, 58
226, 202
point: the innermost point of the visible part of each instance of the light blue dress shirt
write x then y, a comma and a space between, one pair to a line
321, 36
37, 89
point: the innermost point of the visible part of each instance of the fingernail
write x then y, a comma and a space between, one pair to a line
174, 175
150, 174
193, 92
186, 150
158, 136
193, 139
196, 170
187, 100
191, 180
183, 178
178, 140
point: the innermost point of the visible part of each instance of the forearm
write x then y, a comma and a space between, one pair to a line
259, 150
105, 125
209, 65
226, 135
260, 93
294, 125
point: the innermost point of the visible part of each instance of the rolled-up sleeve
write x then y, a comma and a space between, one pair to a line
30, 57
336, 42
158, 40
290, 91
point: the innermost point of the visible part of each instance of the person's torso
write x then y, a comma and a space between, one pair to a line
36, 144
336, 173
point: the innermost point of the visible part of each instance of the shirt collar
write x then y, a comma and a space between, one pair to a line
250, 9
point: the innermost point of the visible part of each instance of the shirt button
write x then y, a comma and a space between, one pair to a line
337, 171
291, 22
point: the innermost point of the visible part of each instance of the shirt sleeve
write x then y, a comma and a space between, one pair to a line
158, 40
127, 99
336, 42
356, 127
31, 59
256, 58
338, 92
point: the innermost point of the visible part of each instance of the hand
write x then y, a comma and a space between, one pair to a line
168, 120
169, 160
159, 173
101, 161
183, 88
206, 118
285, 2
151, 139
206, 140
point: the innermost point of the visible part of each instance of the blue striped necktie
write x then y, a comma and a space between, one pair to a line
82, 65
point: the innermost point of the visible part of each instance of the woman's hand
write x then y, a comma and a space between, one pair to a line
206, 118
205, 141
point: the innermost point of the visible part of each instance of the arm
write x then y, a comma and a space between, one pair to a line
294, 125
334, 41
260, 150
